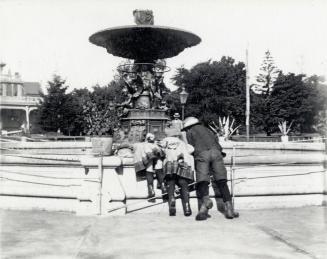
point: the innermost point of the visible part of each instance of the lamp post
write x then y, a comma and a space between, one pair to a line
183, 98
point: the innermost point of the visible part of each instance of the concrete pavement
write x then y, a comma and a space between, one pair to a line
278, 233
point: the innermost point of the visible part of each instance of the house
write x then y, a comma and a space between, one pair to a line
18, 101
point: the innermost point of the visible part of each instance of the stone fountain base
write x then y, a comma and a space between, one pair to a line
89, 185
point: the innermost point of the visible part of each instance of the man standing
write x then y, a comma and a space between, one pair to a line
176, 122
208, 158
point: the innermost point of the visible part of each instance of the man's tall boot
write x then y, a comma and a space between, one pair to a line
205, 206
225, 193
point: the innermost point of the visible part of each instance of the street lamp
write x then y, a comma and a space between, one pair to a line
183, 98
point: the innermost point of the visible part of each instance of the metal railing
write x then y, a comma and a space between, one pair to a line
277, 139
19, 100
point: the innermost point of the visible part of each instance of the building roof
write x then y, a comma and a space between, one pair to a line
32, 88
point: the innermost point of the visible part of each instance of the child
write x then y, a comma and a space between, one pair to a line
154, 166
178, 167
145, 155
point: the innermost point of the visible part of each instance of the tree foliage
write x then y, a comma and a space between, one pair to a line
216, 88
318, 98
71, 112
99, 122
99, 114
79, 98
293, 98
56, 110
290, 101
102, 95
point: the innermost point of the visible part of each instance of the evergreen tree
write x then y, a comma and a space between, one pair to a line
267, 76
55, 110
261, 107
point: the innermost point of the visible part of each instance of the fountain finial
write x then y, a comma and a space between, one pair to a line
143, 17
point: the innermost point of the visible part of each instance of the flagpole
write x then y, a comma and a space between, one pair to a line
247, 111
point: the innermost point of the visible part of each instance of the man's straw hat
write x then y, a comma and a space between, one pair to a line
190, 121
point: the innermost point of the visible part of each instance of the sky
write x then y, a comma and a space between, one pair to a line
39, 38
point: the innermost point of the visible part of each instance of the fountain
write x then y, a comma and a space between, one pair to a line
147, 45
62, 176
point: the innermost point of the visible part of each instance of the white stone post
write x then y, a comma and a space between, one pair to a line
27, 111
19, 90
101, 191
88, 194
128, 177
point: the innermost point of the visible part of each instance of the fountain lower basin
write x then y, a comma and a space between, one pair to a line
290, 175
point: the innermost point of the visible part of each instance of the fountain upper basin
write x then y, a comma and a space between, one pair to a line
144, 42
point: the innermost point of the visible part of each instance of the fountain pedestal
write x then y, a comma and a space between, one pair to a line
147, 120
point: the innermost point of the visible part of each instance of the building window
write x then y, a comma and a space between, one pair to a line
1, 92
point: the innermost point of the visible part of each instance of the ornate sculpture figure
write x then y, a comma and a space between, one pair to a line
144, 86
143, 17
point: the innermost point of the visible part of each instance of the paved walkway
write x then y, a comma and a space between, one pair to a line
279, 233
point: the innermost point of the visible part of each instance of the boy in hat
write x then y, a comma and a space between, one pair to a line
208, 158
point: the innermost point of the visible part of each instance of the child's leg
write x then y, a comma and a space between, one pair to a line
171, 181
159, 173
183, 183
160, 178
149, 179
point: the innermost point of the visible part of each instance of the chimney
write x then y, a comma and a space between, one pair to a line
17, 76
2, 65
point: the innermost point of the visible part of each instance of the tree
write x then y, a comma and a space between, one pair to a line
289, 101
95, 113
67, 112
109, 93
296, 99
99, 122
318, 98
216, 88
260, 118
267, 76
261, 108
79, 98
173, 102
56, 111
